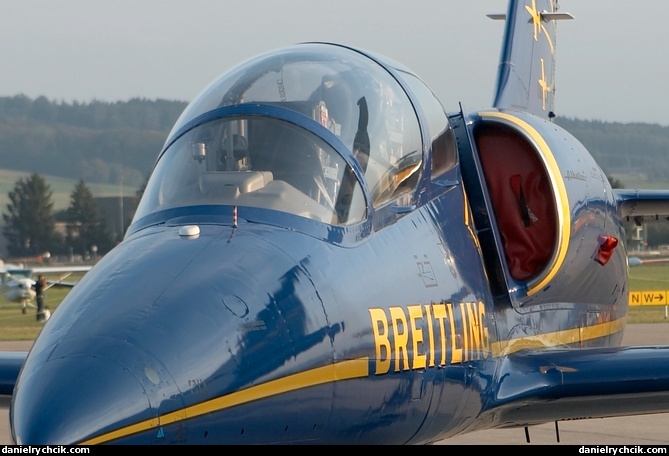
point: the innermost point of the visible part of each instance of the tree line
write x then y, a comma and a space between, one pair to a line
30, 225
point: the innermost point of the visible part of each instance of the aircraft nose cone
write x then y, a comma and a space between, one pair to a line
102, 395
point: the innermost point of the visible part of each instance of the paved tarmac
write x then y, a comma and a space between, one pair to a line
638, 430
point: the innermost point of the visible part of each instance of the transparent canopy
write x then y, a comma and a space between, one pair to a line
328, 133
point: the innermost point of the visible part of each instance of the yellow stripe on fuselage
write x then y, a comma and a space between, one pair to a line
567, 337
346, 370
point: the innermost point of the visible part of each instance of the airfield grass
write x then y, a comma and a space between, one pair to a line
14, 325
649, 277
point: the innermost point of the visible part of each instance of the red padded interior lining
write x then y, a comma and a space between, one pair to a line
522, 198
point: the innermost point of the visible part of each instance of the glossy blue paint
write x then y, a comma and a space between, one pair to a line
10, 366
369, 299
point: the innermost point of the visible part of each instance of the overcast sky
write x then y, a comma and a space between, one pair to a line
611, 65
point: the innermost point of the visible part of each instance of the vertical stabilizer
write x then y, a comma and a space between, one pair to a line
526, 77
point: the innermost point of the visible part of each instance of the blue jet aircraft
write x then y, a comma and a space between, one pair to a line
324, 255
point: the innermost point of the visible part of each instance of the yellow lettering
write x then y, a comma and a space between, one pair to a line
430, 333
439, 311
381, 341
393, 329
474, 330
419, 360
484, 330
465, 332
456, 353
401, 333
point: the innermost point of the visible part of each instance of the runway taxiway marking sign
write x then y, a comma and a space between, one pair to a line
648, 298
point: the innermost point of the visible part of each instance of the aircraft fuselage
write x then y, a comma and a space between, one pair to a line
373, 301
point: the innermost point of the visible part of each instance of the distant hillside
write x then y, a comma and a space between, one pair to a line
117, 143
635, 153
105, 143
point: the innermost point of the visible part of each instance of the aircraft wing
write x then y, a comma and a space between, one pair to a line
60, 269
643, 205
10, 365
59, 283
66, 270
542, 386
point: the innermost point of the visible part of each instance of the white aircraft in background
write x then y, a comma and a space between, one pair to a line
18, 282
